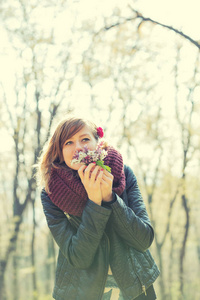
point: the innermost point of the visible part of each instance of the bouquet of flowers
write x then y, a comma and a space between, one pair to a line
87, 156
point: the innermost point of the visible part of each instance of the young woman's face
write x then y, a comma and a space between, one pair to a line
76, 142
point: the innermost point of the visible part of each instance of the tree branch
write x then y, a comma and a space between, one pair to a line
144, 19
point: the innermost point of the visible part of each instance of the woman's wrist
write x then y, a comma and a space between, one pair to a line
98, 201
110, 199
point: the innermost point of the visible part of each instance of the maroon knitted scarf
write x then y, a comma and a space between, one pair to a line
67, 191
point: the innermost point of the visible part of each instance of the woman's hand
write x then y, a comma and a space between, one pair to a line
106, 186
91, 177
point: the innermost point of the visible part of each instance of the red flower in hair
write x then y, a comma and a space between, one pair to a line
100, 132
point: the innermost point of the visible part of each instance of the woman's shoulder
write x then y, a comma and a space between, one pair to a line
129, 172
44, 195
43, 192
131, 179
46, 201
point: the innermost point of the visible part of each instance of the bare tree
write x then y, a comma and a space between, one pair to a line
27, 121
151, 175
184, 120
138, 15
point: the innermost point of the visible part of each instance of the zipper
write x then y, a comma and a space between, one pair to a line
144, 290
76, 221
108, 243
142, 285
107, 256
72, 220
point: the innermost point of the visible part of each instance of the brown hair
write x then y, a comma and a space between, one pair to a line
51, 155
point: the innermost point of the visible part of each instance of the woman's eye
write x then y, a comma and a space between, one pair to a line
85, 140
68, 143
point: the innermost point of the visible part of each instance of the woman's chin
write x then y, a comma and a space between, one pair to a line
76, 167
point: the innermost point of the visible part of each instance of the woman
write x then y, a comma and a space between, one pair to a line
97, 218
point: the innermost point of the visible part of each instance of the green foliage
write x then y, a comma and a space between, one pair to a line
101, 164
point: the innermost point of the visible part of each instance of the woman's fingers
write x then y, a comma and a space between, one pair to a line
95, 174
107, 178
88, 171
106, 186
91, 177
81, 171
99, 176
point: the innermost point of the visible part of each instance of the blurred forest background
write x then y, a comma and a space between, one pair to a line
138, 77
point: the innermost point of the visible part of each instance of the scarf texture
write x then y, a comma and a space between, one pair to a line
67, 191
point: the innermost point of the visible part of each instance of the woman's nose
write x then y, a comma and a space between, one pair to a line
78, 146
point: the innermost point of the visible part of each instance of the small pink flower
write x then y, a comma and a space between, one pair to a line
100, 132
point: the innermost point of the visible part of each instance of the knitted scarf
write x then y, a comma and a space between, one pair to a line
67, 191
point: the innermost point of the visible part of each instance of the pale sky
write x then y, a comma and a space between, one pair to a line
181, 14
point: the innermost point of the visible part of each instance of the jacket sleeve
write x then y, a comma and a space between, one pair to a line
132, 222
78, 246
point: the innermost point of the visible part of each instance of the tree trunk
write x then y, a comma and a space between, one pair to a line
161, 279
182, 252
171, 263
4, 262
15, 277
34, 279
2, 280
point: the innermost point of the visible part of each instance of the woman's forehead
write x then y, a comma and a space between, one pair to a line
85, 130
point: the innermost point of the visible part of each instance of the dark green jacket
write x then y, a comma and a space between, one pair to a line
118, 234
